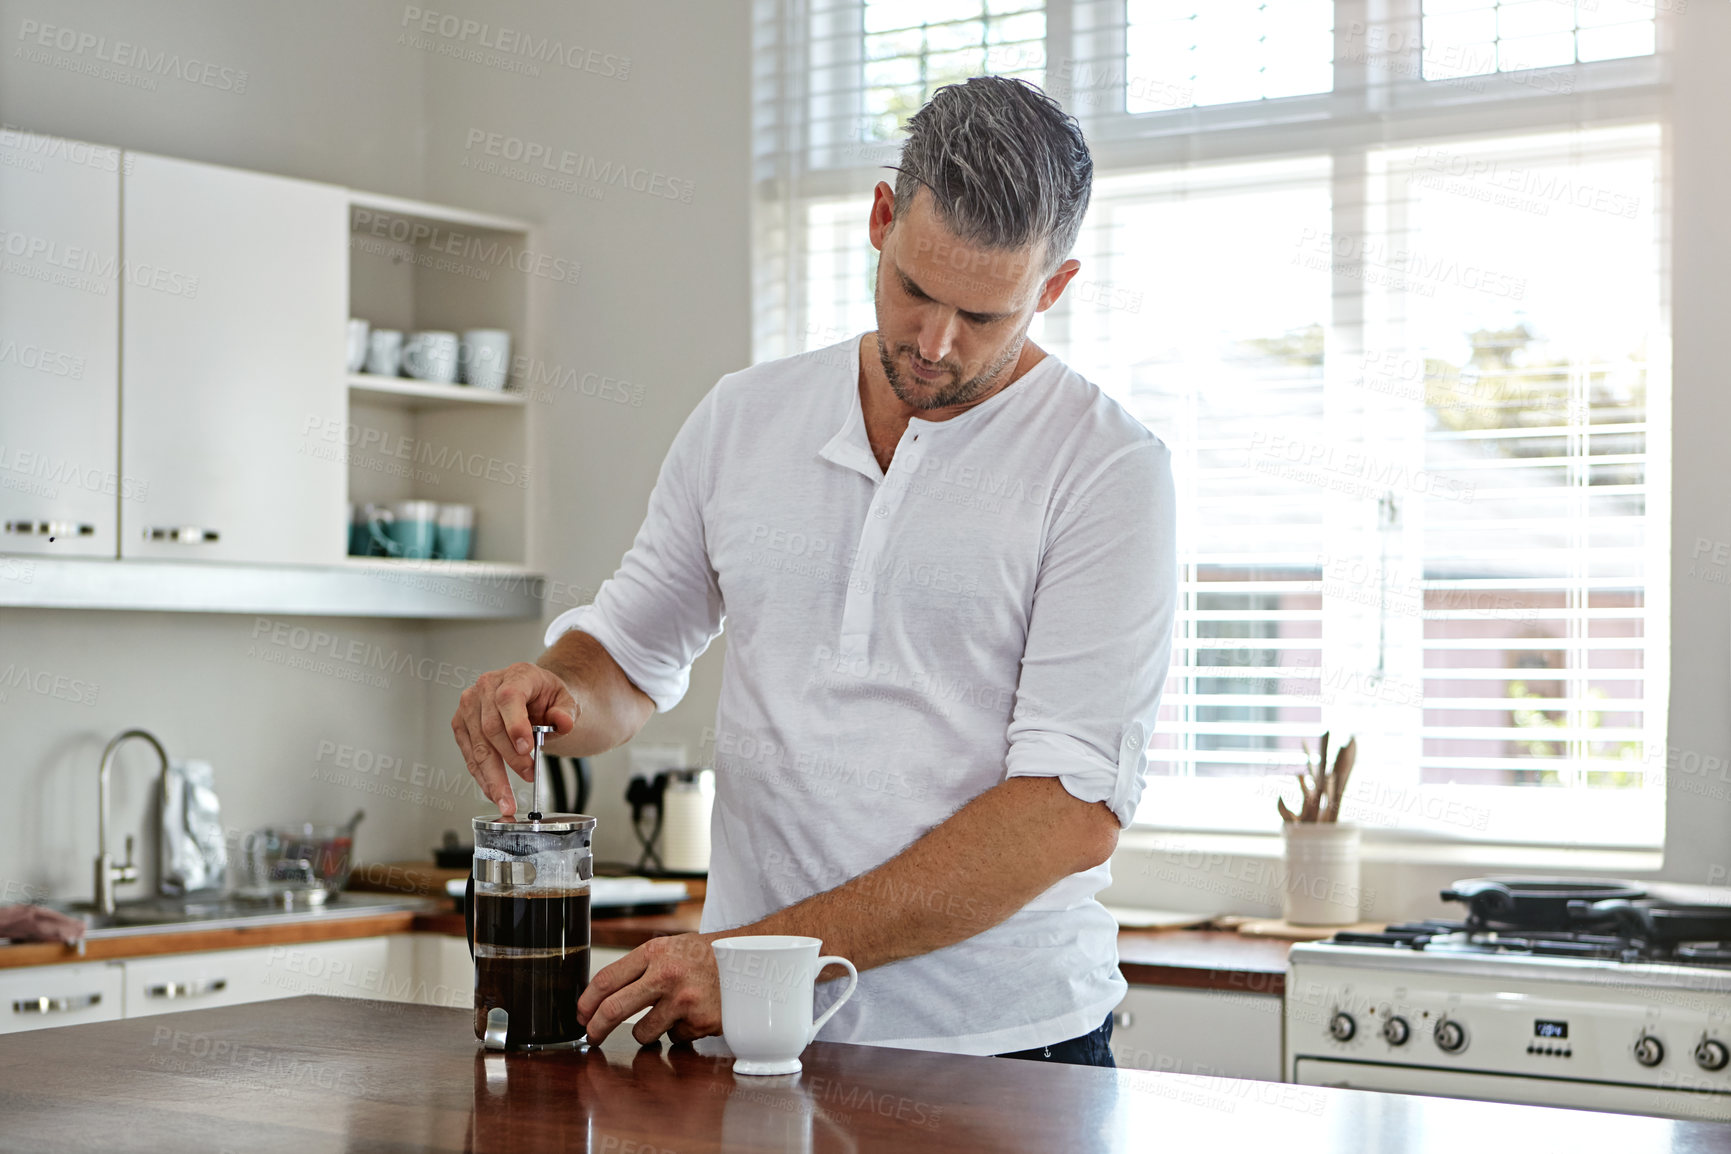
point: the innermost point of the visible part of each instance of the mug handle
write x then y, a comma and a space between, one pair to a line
852, 985
391, 547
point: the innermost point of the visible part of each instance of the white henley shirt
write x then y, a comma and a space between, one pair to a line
998, 604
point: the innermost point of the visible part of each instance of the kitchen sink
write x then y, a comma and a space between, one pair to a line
161, 914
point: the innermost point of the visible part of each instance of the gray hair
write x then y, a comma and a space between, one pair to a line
1006, 166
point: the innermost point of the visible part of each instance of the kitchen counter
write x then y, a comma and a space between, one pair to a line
335, 922
310, 1074
1191, 959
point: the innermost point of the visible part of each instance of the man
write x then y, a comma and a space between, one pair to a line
946, 563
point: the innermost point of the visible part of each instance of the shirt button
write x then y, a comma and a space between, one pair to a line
882, 512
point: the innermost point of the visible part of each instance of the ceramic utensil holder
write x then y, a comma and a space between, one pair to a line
1321, 883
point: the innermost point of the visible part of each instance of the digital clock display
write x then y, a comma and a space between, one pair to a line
1549, 1029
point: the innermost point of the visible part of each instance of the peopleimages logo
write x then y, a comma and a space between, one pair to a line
545, 160
474, 39
124, 54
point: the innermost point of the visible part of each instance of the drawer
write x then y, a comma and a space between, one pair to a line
36, 997
169, 984
166, 985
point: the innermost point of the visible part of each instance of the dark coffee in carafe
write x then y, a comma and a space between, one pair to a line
528, 913
532, 960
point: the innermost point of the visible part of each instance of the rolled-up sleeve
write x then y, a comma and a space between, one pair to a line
663, 606
1100, 634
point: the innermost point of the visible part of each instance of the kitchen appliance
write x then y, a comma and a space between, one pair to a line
677, 804
299, 864
1547, 993
526, 908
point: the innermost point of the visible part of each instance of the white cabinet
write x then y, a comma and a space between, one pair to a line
355, 967
38, 996
235, 309
1213, 1032
60, 291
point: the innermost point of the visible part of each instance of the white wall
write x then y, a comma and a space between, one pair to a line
341, 91
662, 305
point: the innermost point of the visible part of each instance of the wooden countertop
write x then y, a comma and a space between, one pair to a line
321, 929
303, 1075
1191, 959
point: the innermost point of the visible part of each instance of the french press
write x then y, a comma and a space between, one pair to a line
527, 910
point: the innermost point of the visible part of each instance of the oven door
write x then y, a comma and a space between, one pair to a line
1621, 1099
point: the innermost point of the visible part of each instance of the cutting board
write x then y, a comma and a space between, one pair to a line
1287, 932
424, 879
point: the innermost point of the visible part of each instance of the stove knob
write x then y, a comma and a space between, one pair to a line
1341, 1027
1451, 1036
1395, 1031
1712, 1055
1649, 1051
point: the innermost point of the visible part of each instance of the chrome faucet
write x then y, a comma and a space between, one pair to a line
107, 873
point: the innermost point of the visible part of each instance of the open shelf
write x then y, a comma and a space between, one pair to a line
404, 393
421, 211
424, 267
358, 587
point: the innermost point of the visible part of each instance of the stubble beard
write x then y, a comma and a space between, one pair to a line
957, 392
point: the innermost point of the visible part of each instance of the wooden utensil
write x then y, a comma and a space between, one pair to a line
1343, 764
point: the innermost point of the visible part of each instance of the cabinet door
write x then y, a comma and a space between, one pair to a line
1212, 1032
59, 346
235, 297
39, 996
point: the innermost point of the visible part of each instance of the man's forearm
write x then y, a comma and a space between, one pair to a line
982, 864
610, 709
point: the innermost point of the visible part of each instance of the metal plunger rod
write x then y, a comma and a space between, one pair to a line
543, 779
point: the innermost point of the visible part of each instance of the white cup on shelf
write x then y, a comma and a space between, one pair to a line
768, 985
358, 330
384, 352
486, 358
431, 355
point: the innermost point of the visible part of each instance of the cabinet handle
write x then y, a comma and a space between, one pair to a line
181, 534
47, 1005
1123, 1020
51, 528
186, 989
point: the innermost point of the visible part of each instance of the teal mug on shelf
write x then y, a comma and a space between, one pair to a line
455, 536
407, 530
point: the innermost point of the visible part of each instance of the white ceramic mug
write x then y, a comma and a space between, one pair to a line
358, 330
431, 356
768, 983
385, 352
486, 358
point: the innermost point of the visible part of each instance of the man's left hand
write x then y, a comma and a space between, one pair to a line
39, 924
675, 975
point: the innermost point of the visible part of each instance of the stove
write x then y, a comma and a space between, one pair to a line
1609, 1016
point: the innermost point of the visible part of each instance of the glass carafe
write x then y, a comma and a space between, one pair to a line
528, 919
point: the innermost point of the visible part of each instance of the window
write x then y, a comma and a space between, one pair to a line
1404, 333
1184, 52
1472, 37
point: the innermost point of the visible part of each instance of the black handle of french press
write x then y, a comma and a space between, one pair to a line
469, 914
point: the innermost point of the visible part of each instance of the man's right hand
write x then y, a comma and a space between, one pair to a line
493, 725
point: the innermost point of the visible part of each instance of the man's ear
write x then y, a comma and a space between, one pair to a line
883, 214
1055, 284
